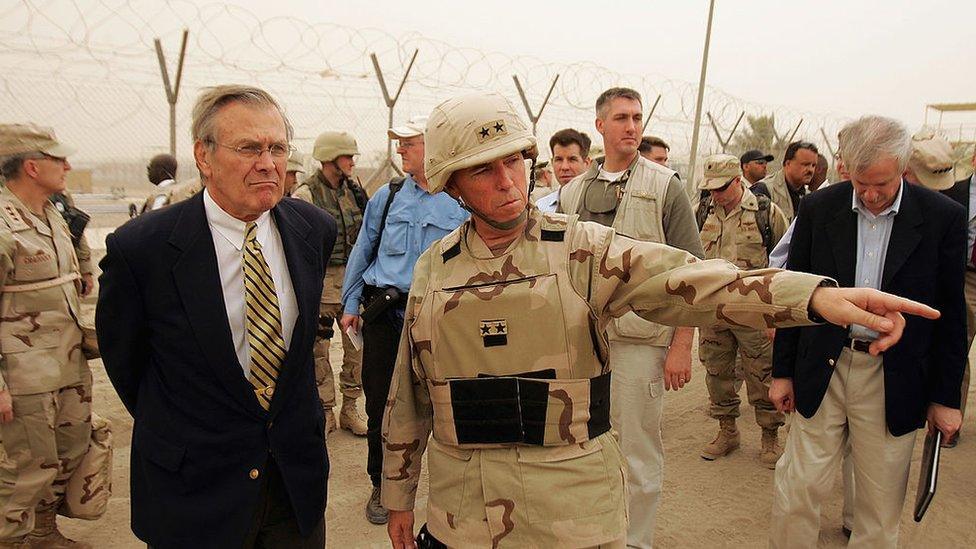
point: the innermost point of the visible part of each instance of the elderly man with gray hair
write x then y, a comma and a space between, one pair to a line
206, 319
875, 231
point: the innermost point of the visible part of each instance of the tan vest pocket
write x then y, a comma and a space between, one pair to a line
579, 473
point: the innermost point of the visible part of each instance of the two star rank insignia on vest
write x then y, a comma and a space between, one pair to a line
491, 129
494, 333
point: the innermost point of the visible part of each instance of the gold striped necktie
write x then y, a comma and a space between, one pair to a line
263, 319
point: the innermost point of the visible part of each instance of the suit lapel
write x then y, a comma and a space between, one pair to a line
904, 235
842, 232
198, 283
305, 277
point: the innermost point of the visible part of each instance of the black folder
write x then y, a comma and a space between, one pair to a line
928, 475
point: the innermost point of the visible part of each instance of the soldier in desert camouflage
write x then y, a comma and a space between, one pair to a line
740, 227
503, 353
45, 383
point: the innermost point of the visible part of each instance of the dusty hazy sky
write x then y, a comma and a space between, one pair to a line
847, 57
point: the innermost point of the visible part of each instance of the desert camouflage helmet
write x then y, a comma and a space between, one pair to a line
331, 145
469, 130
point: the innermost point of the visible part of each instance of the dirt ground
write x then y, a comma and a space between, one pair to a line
725, 503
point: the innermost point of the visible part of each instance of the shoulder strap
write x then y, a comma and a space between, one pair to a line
762, 221
704, 208
395, 185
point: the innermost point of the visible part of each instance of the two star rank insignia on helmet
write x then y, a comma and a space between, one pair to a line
491, 129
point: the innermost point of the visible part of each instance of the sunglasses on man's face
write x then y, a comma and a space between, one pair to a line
723, 188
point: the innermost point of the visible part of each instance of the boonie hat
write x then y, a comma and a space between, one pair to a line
719, 170
931, 160
27, 138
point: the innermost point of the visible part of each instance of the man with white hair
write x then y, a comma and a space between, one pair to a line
503, 371
400, 222
876, 231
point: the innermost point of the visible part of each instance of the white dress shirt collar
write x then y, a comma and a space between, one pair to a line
232, 228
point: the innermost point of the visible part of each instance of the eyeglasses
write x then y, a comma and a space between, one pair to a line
277, 150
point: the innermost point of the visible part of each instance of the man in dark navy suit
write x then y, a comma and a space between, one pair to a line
876, 231
206, 320
964, 192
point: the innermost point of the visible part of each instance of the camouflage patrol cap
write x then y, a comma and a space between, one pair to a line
719, 170
331, 145
296, 162
931, 160
469, 130
18, 139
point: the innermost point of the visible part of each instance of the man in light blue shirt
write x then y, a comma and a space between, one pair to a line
378, 274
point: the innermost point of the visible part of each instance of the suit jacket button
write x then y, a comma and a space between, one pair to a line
830, 361
254, 474
269, 391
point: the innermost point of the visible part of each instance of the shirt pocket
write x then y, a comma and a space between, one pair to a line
436, 227
643, 214
396, 236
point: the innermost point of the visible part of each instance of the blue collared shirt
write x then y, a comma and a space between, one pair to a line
416, 219
873, 234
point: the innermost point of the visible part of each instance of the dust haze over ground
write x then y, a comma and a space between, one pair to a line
725, 503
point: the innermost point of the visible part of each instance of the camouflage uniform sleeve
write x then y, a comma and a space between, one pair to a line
670, 286
8, 247
408, 416
83, 251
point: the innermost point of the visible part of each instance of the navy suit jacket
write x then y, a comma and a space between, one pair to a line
924, 262
198, 428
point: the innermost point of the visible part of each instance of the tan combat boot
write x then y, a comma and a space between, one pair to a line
771, 450
726, 441
350, 419
330, 422
47, 536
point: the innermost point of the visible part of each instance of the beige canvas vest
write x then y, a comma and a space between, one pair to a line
514, 314
640, 215
40, 339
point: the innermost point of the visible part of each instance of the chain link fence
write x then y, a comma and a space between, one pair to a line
88, 68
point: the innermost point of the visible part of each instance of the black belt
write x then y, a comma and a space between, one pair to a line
859, 345
370, 293
512, 410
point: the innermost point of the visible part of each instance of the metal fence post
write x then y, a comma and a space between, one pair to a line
528, 110
390, 104
172, 92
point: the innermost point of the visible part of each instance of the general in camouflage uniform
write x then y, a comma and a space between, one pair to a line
503, 357
332, 189
45, 384
736, 229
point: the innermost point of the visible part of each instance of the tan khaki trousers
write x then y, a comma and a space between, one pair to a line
636, 406
852, 410
330, 311
970, 290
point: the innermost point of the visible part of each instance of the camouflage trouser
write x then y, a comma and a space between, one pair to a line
717, 350
350, 378
41, 447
